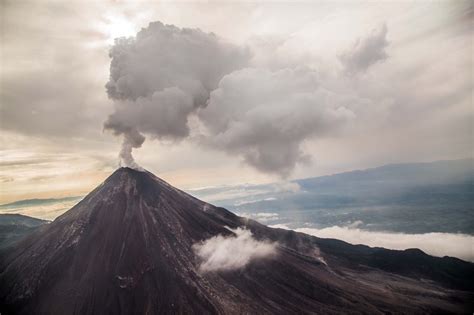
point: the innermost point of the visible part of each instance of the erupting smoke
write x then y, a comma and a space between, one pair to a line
131, 139
160, 78
165, 75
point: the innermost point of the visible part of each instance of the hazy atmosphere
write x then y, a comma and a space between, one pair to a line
264, 92
236, 157
226, 96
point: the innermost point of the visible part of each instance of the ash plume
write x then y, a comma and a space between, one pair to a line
160, 77
265, 116
131, 139
166, 75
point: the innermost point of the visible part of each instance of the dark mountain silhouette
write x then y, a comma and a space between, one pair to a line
13, 227
127, 248
37, 202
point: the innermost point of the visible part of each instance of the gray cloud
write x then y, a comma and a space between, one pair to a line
164, 114
40, 101
164, 56
231, 252
366, 51
166, 74
51, 79
265, 116
160, 77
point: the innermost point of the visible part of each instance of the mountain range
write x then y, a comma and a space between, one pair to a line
137, 245
13, 227
401, 198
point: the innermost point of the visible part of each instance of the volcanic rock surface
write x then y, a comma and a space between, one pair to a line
127, 248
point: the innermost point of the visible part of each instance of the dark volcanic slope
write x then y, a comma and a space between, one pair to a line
127, 249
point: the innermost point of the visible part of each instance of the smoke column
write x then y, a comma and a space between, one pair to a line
161, 77
263, 115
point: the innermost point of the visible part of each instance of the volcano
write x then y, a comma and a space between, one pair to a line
132, 245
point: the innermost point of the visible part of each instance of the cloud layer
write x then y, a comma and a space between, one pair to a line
260, 216
436, 244
231, 252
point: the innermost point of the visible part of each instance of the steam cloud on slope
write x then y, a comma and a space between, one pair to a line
166, 75
232, 252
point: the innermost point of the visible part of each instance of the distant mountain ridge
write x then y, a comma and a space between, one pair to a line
392, 175
14, 227
384, 184
408, 198
36, 201
435, 169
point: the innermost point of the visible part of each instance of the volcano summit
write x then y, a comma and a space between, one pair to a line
137, 245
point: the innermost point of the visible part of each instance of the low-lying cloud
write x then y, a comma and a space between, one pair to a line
220, 252
436, 244
261, 216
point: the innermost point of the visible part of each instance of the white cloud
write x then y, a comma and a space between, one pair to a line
280, 226
436, 244
229, 193
231, 252
246, 202
260, 216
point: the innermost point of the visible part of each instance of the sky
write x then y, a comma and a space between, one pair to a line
213, 93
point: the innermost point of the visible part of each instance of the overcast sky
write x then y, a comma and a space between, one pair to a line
277, 91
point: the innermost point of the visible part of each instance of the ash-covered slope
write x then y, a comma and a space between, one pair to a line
127, 248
